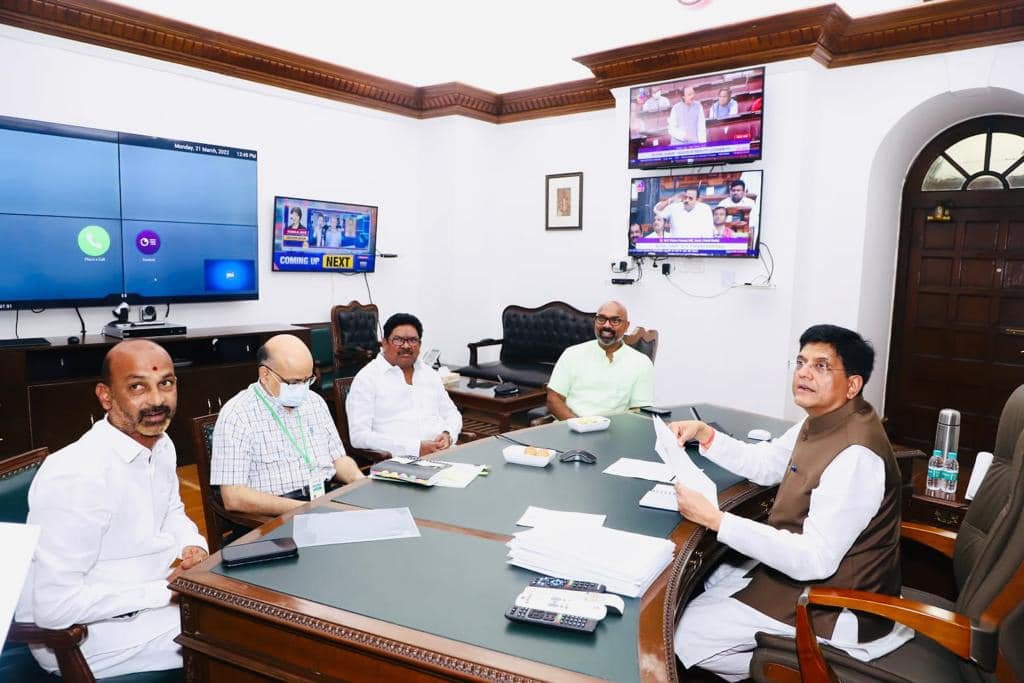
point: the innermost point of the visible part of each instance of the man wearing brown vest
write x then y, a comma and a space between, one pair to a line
835, 521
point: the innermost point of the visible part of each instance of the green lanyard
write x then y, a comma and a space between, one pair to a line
287, 432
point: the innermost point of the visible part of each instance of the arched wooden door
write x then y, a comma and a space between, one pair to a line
958, 315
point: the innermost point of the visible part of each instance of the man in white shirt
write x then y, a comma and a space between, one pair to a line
687, 216
603, 376
738, 199
686, 121
396, 403
112, 523
835, 520
275, 445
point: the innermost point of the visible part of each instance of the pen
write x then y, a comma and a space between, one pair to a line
696, 415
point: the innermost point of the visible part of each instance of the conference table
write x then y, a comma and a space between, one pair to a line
432, 607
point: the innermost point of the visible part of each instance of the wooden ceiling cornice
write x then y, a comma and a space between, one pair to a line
826, 34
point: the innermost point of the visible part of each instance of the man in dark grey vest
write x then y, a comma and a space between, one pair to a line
835, 521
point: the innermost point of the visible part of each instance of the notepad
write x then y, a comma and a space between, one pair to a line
420, 471
662, 497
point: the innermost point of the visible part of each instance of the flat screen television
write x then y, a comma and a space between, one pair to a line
698, 214
91, 217
324, 237
697, 121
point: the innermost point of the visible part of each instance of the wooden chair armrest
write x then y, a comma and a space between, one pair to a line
466, 436
542, 420
249, 520
942, 540
64, 643
949, 629
23, 632
474, 346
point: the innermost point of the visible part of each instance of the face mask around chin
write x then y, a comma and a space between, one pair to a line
293, 395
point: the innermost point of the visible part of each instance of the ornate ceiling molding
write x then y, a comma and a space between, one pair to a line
826, 34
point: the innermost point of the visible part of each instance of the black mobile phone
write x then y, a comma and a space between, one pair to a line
258, 551
656, 410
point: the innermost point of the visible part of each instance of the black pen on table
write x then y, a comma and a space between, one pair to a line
696, 415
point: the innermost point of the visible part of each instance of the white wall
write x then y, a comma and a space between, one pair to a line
462, 202
308, 147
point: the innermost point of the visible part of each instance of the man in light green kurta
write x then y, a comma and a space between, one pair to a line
603, 376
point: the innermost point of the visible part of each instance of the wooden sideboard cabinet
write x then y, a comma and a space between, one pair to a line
47, 394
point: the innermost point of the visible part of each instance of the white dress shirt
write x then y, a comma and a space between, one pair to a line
385, 413
848, 495
112, 522
695, 222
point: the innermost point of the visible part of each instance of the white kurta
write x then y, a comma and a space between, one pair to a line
112, 524
388, 414
717, 631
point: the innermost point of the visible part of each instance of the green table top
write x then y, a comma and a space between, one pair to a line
450, 584
458, 586
498, 500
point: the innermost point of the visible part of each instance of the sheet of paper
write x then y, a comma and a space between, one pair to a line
535, 516
675, 456
641, 469
458, 476
329, 528
19, 544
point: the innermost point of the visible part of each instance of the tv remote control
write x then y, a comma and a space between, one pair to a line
567, 584
552, 619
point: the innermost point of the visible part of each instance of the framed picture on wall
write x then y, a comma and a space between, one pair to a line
563, 201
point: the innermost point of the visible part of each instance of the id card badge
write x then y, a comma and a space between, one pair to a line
316, 488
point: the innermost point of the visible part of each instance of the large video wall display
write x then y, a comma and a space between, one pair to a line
93, 216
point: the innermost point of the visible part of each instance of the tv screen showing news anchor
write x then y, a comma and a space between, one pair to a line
697, 121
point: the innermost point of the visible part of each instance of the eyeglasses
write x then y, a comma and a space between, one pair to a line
404, 341
292, 382
602, 319
818, 367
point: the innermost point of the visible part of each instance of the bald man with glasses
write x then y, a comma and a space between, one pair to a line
275, 444
603, 376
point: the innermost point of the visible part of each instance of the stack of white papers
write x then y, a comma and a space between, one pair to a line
641, 469
625, 562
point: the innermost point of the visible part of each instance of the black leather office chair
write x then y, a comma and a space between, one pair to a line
354, 337
980, 637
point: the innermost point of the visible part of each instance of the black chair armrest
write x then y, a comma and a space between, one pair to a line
64, 643
366, 457
473, 346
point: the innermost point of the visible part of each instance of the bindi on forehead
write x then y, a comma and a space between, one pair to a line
155, 368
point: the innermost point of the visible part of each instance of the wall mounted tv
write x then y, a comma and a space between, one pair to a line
324, 237
91, 217
698, 121
706, 214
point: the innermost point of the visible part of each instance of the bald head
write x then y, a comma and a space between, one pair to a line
123, 352
287, 355
610, 324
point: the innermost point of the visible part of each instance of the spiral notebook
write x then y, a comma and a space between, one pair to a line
662, 497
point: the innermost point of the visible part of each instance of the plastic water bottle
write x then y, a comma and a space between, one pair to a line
950, 472
935, 484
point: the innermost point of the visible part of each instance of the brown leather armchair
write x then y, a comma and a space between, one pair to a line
222, 525
977, 638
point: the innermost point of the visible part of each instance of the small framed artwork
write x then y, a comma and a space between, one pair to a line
563, 201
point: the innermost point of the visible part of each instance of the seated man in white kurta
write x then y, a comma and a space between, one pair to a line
112, 523
397, 403
835, 520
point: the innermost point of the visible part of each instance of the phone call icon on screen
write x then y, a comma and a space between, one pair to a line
93, 240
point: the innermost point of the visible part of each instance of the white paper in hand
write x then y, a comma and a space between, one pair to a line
675, 456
